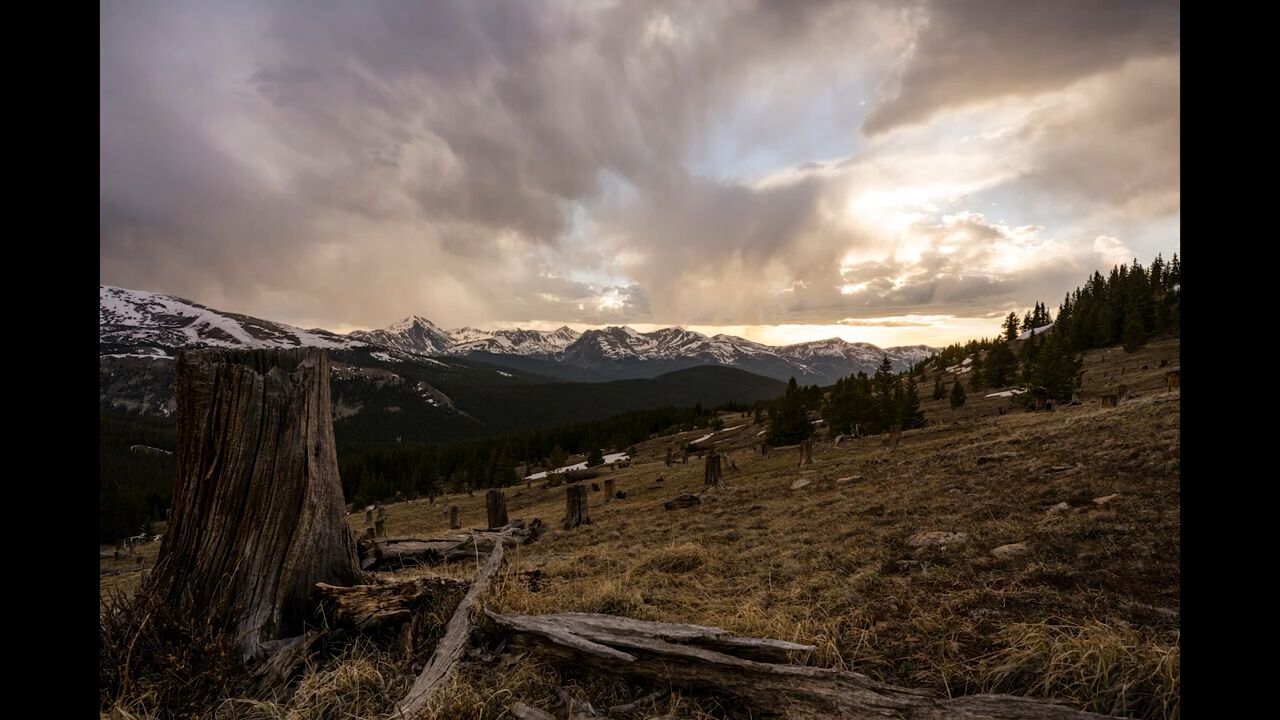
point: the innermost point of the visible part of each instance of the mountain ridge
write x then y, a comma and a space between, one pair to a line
145, 324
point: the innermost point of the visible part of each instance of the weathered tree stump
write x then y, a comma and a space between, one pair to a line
257, 517
1108, 401
806, 452
495, 504
1122, 392
895, 437
368, 515
575, 506
713, 473
764, 449
668, 460
1172, 379
454, 522
608, 489
380, 522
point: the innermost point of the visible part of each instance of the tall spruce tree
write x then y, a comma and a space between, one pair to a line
957, 394
1010, 327
909, 414
939, 390
788, 421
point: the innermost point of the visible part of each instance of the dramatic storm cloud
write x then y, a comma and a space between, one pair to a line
791, 169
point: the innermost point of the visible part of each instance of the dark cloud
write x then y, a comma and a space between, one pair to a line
338, 164
974, 50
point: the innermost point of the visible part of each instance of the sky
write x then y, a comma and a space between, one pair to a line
888, 172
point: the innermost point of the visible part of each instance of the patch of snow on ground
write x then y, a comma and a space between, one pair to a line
608, 460
384, 357
505, 374
1034, 331
1007, 393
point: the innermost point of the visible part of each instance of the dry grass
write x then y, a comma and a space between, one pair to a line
1088, 615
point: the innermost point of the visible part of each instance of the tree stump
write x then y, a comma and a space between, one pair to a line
764, 449
1171, 379
668, 460
368, 515
380, 522
1108, 401
495, 505
454, 522
895, 437
575, 506
806, 452
257, 517
608, 489
1122, 392
684, 459
713, 474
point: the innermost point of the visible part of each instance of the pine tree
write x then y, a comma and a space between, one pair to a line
788, 421
939, 391
558, 458
595, 457
910, 415
957, 395
1001, 366
1010, 327
1134, 335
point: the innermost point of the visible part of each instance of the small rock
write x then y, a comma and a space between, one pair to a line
1059, 508
937, 538
1011, 550
800, 483
1105, 499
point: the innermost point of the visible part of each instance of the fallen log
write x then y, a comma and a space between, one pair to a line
282, 660
449, 649
683, 500
391, 553
709, 659
364, 607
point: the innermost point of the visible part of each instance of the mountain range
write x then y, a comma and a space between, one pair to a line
134, 322
416, 381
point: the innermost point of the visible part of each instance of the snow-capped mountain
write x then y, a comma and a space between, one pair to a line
136, 322
536, 343
140, 323
412, 334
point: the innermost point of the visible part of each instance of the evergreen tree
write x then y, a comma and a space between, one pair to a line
957, 394
910, 415
788, 421
1001, 366
558, 458
939, 391
595, 457
1010, 327
977, 378
1134, 335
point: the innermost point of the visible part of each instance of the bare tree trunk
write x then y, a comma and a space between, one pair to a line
575, 506
608, 489
764, 449
495, 502
257, 517
712, 474
668, 460
806, 452
454, 522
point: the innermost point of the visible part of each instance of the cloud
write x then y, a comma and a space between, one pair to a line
330, 164
969, 51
